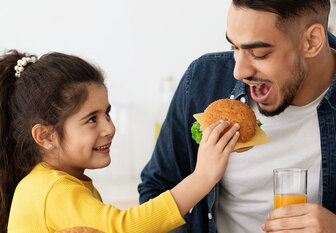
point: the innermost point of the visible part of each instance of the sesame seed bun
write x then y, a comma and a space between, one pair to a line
233, 111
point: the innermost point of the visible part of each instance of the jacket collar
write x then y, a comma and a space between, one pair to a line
239, 91
330, 96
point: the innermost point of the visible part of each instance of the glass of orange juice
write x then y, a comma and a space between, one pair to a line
289, 186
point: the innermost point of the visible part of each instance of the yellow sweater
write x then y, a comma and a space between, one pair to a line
47, 200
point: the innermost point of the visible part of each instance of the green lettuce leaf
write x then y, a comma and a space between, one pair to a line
196, 132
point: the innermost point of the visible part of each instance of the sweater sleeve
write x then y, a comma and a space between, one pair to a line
70, 204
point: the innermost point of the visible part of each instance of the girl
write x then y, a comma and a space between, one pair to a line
55, 123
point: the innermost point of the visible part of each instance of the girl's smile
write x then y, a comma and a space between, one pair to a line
103, 149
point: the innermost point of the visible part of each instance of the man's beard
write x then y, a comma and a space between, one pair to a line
290, 89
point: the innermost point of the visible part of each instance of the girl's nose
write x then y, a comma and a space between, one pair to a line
108, 129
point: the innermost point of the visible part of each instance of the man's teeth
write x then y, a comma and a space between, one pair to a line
256, 89
101, 148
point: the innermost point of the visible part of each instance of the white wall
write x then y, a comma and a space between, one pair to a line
135, 42
332, 18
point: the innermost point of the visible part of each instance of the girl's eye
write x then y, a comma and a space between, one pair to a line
92, 120
107, 114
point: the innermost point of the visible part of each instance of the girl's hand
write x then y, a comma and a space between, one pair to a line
214, 150
212, 159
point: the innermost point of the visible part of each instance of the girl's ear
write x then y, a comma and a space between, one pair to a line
44, 136
314, 38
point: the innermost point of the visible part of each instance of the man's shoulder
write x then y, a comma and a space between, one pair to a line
332, 40
213, 64
212, 72
226, 56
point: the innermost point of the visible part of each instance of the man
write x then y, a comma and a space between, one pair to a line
283, 65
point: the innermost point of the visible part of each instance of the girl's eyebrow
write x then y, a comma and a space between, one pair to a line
95, 112
254, 45
90, 114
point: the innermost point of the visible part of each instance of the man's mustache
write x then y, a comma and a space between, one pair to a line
256, 79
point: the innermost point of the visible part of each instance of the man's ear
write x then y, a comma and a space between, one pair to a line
44, 136
313, 40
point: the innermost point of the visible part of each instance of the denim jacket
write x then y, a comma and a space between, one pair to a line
207, 79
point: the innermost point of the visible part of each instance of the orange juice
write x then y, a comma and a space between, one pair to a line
289, 199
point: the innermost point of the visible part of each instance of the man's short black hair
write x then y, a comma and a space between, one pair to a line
290, 9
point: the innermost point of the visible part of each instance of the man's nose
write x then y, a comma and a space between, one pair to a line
243, 68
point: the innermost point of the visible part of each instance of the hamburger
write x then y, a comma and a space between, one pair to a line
233, 111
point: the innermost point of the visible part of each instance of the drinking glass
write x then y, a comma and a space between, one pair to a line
289, 186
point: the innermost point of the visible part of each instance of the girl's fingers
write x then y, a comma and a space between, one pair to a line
217, 132
229, 147
229, 137
209, 129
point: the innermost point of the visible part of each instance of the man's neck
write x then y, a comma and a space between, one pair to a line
320, 74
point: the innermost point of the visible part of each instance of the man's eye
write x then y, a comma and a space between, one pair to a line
92, 120
233, 47
259, 55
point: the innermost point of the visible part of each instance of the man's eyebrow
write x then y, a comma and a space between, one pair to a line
228, 39
254, 45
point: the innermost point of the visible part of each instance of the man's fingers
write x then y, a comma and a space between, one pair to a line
288, 211
291, 223
293, 217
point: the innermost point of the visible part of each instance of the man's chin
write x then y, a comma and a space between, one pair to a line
268, 111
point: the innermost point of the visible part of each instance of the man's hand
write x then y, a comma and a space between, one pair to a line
307, 218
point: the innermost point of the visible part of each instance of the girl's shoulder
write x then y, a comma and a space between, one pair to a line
42, 179
43, 191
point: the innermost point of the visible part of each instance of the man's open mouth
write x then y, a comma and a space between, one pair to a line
261, 90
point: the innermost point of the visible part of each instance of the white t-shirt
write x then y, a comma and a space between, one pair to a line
245, 193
